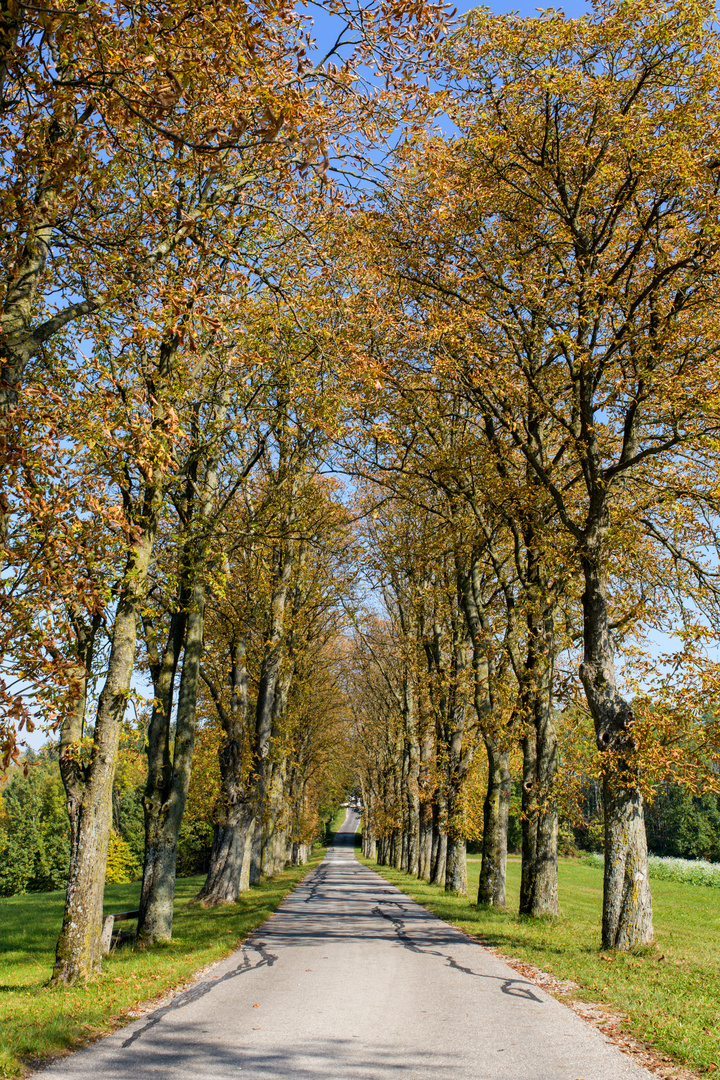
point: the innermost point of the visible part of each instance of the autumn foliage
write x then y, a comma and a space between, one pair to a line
239, 272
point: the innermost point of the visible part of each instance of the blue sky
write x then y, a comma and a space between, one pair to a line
571, 10
324, 24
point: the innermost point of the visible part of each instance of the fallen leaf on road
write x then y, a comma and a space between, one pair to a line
256, 1005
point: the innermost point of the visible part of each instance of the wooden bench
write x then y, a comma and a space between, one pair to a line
108, 924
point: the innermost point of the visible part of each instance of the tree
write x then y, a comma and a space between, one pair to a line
586, 194
128, 133
278, 608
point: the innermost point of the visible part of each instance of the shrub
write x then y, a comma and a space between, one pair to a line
122, 863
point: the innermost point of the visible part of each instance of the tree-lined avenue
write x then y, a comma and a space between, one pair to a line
351, 978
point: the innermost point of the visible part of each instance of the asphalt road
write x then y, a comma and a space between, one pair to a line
351, 980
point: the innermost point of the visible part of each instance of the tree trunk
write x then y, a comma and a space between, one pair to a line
529, 807
426, 788
159, 777
256, 845
369, 839
273, 854
158, 889
627, 906
440, 844
89, 804
78, 952
491, 889
426, 842
413, 837
396, 849
545, 892
267, 706
459, 759
228, 857
438, 877
456, 864
222, 885
539, 889
456, 869
168, 785
411, 854
404, 851
627, 903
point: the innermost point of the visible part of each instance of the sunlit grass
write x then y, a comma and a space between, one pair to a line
670, 992
38, 1021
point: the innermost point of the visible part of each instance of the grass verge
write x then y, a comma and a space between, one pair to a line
670, 992
338, 819
38, 1021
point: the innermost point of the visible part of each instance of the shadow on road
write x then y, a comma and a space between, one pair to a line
195, 1057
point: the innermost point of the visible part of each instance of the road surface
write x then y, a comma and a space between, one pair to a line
350, 980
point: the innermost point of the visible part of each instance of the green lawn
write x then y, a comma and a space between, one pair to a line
337, 820
670, 992
37, 1021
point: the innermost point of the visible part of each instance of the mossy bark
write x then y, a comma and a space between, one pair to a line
426, 842
627, 903
440, 841
270, 702
168, 781
78, 952
491, 887
235, 810
158, 888
228, 857
456, 867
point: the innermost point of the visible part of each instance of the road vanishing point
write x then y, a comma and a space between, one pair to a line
351, 980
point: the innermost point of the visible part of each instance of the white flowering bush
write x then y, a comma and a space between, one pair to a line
686, 871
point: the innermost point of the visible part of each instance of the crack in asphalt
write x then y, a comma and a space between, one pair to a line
508, 985
267, 959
